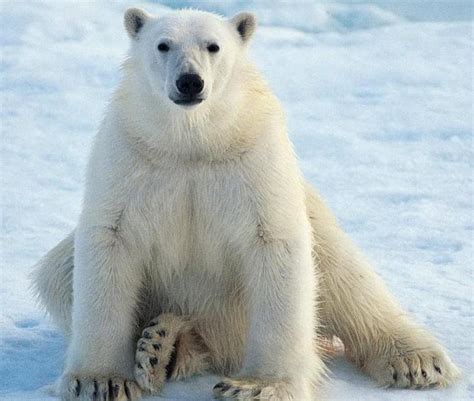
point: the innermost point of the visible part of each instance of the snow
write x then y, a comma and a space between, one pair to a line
379, 105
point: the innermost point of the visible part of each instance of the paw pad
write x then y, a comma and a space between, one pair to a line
155, 350
250, 390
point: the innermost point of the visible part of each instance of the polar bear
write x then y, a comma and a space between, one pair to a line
201, 248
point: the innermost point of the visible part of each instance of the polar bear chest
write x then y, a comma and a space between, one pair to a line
199, 216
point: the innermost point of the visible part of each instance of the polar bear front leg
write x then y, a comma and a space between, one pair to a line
100, 356
281, 362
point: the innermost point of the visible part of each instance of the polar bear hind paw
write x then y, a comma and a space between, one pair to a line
416, 369
251, 390
156, 352
77, 388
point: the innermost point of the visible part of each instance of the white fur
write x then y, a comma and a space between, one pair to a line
201, 211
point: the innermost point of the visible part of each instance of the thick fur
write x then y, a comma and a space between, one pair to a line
201, 213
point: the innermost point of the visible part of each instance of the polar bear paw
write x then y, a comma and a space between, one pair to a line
251, 390
420, 368
155, 357
79, 388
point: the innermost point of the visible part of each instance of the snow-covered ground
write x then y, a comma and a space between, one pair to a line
379, 107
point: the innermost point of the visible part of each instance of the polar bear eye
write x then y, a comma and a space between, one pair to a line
163, 47
213, 48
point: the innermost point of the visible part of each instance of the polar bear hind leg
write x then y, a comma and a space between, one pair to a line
169, 348
52, 282
356, 306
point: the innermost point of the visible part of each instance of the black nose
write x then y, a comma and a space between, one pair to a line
190, 84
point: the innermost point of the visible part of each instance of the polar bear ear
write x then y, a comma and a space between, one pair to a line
134, 20
245, 23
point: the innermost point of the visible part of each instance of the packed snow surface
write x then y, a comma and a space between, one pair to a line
379, 106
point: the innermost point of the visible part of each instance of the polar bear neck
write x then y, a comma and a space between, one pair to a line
218, 129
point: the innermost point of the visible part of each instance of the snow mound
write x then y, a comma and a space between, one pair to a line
305, 16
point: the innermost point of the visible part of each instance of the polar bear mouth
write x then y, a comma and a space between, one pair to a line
187, 102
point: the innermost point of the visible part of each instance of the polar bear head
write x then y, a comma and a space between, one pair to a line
188, 57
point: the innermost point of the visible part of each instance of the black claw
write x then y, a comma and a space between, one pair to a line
157, 347
225, 387
162, 333
127, 391
395, 376
423, 373
96, 390
222, 386
110, 390
77, 388
147, 334
438, 369
172, 362
236, 391
139, 365
153, 361
256, 392
116, 390
141, 348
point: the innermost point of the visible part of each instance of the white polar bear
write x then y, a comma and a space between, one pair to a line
196, 215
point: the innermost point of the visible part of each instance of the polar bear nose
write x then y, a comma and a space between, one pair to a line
190, 84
